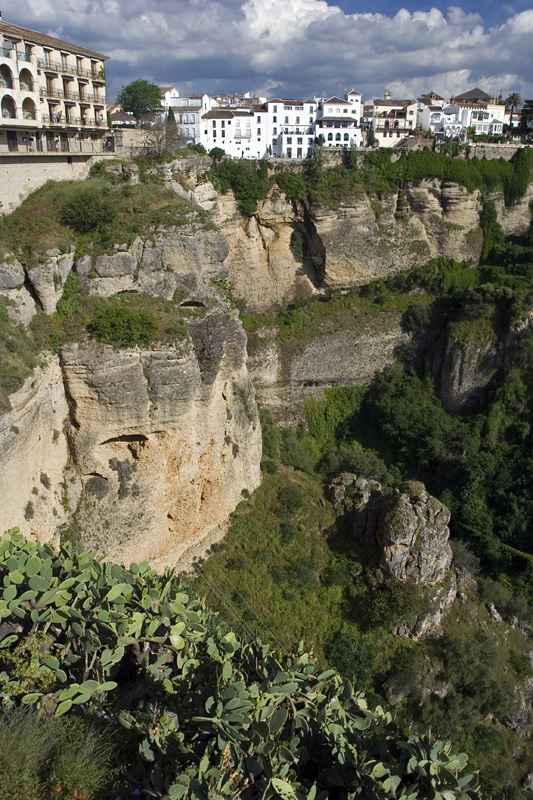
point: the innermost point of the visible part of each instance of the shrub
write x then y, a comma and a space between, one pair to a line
290, 499
87, 210
416, 317
350, 653
288, 532
298, 245
121, 327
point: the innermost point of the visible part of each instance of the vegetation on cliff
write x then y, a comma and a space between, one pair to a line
373, 172
133, 659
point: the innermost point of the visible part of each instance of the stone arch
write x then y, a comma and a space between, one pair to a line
330, 137
346, 137
337, 137
26, 80
6, 77
28, 109
8, 107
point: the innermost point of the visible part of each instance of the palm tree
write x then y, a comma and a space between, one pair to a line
512, 102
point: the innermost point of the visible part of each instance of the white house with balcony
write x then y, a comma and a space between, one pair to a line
393, 121
52, 94
338, 121
291, 127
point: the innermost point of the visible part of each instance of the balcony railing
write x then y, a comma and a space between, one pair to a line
23, 57
72, 120
4, 84
5, 52
56, 66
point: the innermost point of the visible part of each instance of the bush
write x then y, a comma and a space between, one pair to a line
350, 653
87, 210
416, 317
290, 499
288, 532
121, 327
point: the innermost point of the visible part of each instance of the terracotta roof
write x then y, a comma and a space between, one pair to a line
41, 38
197, 94
335, 100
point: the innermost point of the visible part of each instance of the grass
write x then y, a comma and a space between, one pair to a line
41, 760
38, 225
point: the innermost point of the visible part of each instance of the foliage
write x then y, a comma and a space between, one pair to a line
217, 153
141, 98
247, 180
298, 245
41, 758
122, 327
87, 210
219, 715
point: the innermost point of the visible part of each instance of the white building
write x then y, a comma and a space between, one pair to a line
52, 94
338, 122
241, 133
393, 121
291, 127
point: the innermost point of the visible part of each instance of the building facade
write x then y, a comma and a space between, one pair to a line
52, 95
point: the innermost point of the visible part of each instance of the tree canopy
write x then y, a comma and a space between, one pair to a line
141, 98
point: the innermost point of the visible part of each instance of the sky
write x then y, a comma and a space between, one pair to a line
299, 48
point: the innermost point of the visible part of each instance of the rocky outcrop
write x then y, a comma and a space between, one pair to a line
409, 528
142, 452
286, 373
183, 260
163, 440
368, 238
34, 455
260, 263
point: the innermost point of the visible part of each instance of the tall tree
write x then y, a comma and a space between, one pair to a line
512, 102
141, 98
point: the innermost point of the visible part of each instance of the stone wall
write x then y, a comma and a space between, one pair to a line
23, 174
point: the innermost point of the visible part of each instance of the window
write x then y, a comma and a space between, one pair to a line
299, 140
337, 137
287, 108
289, 139
411, 113
223, 133
345, 110
337, 111
259, 131
274, 119
274, 131
286, 120
223, 123
214, 123
330, 137
275, 109
64, 60
297, 120
346, 137
310, 120
310, 141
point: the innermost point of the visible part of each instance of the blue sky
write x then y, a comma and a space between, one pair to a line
299, 48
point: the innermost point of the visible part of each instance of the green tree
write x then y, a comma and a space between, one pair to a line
512, 102
140, 97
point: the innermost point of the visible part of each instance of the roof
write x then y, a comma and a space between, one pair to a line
186, 109
393, 102
219, 113
336, 100
197, 94
41, 38
164, 89
473, 96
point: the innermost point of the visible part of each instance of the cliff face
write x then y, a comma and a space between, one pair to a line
369, 238
143, 451
285, 374
164, 441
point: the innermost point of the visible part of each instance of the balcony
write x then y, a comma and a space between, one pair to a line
56, 66
5, 52
49, 92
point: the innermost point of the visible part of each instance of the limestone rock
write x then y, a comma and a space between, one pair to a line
463, 369
412, 534
351, 493
164, 439
34, 454
48, 278
11, 274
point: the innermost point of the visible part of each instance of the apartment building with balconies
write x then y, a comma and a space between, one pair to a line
52, 94
338, 122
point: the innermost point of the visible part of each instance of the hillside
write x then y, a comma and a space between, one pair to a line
380, 312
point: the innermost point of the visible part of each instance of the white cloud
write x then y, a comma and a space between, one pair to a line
296, 47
